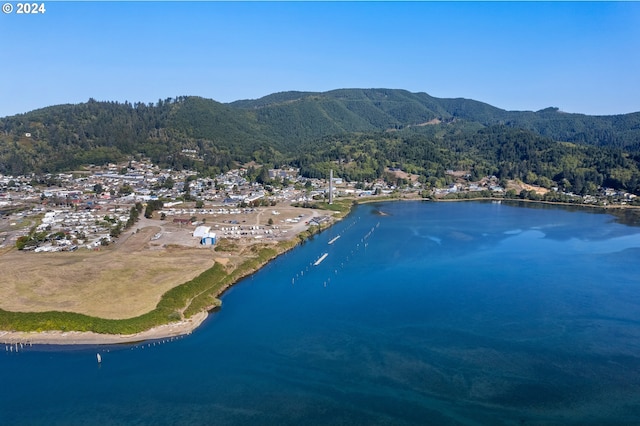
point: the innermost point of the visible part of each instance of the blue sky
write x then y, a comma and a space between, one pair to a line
578, 56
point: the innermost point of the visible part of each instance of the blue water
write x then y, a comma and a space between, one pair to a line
435, 313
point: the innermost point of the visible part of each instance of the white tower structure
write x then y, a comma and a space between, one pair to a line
331, 186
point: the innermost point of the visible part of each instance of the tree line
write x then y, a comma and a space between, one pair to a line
358, 133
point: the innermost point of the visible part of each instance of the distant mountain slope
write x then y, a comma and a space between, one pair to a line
370, 128
352, 109
391, 108
273, 99
622, 131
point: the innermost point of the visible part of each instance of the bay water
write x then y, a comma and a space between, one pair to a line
421, 313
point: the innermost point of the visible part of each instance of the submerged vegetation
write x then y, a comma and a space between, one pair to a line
362, 135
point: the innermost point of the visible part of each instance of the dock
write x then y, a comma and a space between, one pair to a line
319, 261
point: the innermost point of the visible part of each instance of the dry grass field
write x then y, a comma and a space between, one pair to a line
116, 282
126, 279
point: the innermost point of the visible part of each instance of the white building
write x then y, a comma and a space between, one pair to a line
201, 232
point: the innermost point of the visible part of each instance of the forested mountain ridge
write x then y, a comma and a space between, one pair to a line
362, 130
386, 108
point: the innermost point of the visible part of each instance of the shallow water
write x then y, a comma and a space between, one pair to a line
436, 313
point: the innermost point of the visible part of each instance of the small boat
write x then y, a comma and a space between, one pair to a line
99, 357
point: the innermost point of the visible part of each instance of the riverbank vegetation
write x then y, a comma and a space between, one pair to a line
377, 140
200, 293
181, 302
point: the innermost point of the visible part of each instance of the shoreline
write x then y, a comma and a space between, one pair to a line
180, 328
56, 337
174, 329
188, 325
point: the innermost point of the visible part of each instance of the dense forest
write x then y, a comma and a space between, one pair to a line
357, 132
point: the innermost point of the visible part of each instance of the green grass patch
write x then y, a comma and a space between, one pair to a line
343, 207
167, 310
192, 297
225, 244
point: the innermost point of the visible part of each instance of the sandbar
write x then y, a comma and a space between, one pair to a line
173, 329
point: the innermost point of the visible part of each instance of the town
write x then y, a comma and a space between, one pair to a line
92, 208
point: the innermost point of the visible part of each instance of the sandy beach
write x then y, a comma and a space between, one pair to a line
89, 338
